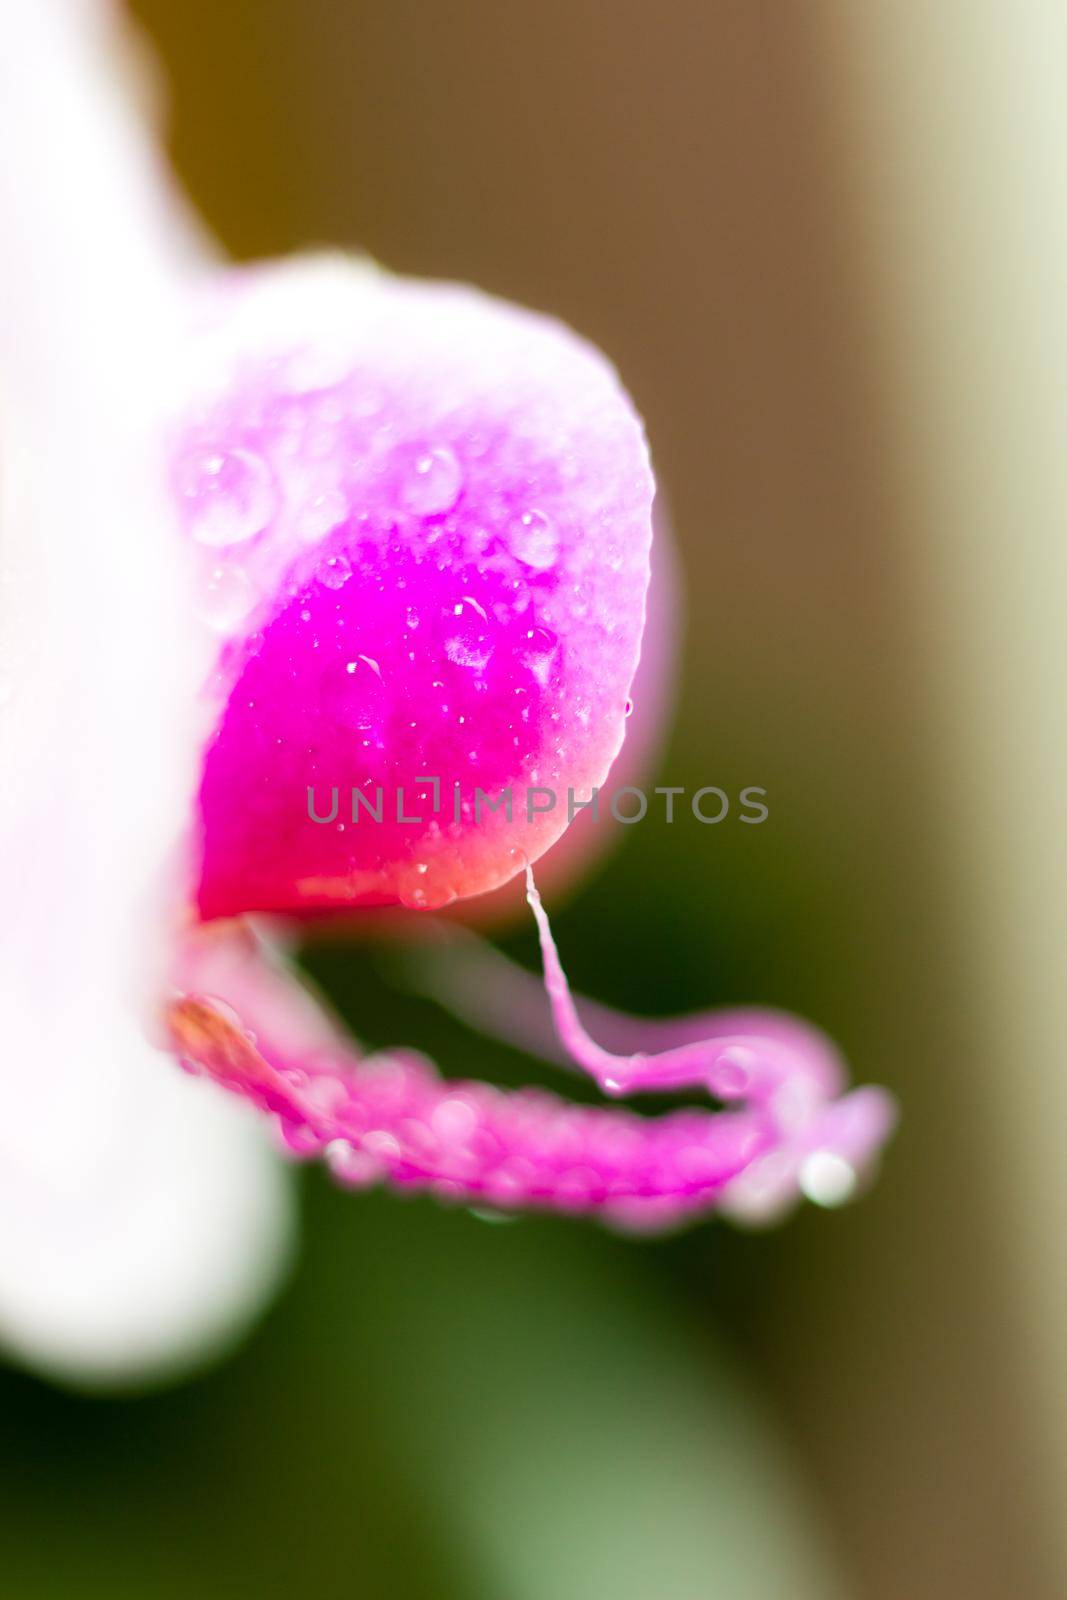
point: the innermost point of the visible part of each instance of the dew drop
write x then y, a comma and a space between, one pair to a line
325, 512
229, 496
380, 1143
314, 367
412, 618
432, 481
469, 642
416, 898
335, 572
353, 694
731, 1074
826, 1178
532, 537
225, 599
538, 652
453, 1120
628, 709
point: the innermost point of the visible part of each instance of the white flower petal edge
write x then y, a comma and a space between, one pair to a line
143, 1218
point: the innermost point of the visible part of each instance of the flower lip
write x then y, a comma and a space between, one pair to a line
390, 1117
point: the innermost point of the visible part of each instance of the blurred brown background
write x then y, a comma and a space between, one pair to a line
702, 189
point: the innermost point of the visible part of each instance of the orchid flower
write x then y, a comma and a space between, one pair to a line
334, 533
423, 519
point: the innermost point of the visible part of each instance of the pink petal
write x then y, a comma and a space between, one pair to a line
425, 521
590, 836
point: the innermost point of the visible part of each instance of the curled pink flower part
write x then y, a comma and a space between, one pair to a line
246, 1021
821, 1138
423, 520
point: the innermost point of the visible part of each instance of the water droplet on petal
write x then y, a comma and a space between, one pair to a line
325, 512
731, 1073
453, 1120
628, 709
226, 597
532, 537
538, 652
826, 1178
469, 641
335, 572
380, 1143
314, 367
352, 693
229, 496
412, 618
432, 481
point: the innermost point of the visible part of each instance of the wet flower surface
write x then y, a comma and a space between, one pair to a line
433, 513
436, 510
390, 1117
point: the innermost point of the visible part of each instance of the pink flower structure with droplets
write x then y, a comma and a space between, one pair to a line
424, 521
390, 1117
432, 530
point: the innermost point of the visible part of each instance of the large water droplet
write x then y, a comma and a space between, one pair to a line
229, 496
826, 1178
226, 597
432, 481
335, 572
354, 695
469, 636
532, 537
538, 652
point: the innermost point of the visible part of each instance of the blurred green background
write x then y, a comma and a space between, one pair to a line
845, 1407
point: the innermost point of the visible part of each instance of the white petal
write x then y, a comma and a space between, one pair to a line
141, 1229
139, 1215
